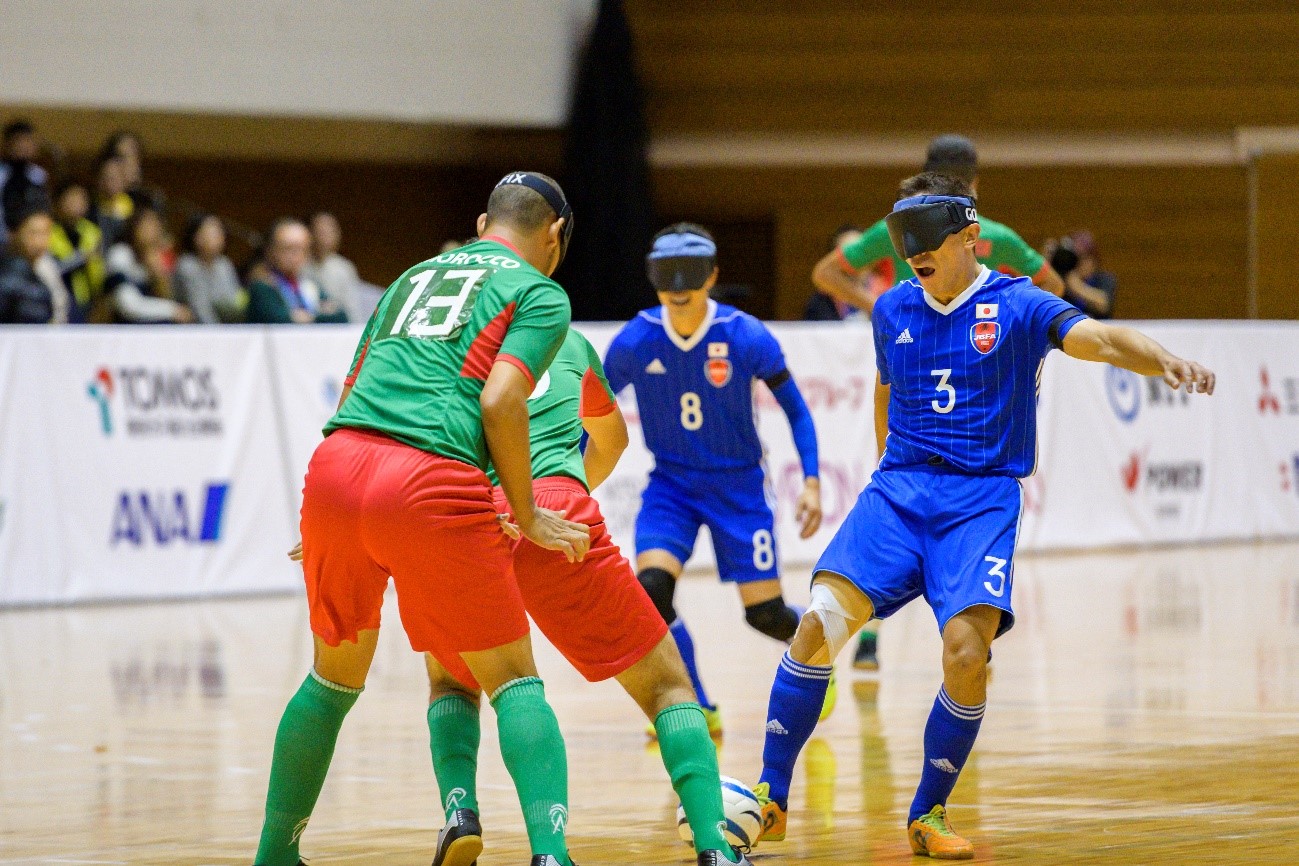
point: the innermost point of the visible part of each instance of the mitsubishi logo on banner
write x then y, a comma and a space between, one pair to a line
1267, 399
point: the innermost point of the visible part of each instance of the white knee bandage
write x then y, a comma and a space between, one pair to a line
834, 619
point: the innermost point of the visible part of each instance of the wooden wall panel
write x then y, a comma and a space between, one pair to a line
1175, 237
1278, 228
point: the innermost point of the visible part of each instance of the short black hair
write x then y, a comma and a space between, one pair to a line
17, 127
521, 207
685, 229
953, 155
833, 243
34, 206
192, 225
933, 183
66, 183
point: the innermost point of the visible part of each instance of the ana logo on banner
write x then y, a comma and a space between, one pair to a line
166, 516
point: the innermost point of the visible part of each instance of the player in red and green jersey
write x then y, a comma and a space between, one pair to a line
838, 273
438, 388
594, 611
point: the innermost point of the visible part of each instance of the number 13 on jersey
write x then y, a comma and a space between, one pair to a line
429, 292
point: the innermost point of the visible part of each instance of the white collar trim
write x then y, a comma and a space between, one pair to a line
949, 308
685, 344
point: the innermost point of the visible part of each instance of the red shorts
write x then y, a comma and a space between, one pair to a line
374, 507
594, 611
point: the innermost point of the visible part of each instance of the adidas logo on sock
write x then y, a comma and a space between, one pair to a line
944, 765
775, 727
904, 337
656, 366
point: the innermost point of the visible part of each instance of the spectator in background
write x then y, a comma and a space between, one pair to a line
335, 275
22, 181
286, 294
31, 292
1087, 287
137, 274
128, 147
823, 308
75, 244
205, 280
112, 207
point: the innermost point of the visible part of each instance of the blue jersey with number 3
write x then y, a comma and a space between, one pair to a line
964, 377
695, 394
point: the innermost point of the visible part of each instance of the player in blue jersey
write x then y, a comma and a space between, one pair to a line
960, 350
694, 364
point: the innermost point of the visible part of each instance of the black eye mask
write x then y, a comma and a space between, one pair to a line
553, 197
921, 223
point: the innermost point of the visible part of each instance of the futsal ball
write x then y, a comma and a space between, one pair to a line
742, 811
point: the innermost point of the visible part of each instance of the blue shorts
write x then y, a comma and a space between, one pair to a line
950, 538
732, 503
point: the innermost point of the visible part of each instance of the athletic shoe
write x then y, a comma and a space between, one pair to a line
774, 818
865, 658
932, 834
460, 841
831, 696
713, 857
712, 716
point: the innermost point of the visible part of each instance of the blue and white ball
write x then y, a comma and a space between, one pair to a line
743, 816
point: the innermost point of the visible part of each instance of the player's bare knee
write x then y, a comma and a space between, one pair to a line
965, 661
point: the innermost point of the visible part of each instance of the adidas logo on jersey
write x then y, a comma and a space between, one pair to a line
944, 765
904, 337
775, 727
656, 366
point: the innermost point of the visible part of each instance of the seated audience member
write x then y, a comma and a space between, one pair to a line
1090, 289
22, 181
137, 274
128, 147
112, 207
205, 279
285, 294
335, 274
75, 244
31, 292
823, 308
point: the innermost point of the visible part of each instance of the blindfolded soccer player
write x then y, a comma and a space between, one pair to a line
593, 611
694, 364
959, 351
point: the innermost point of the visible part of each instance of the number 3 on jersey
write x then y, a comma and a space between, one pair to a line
946, 389
453, 292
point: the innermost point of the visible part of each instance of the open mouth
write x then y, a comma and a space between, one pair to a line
924, 272
679, 300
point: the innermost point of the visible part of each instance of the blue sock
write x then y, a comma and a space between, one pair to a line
686, 645
949, 737
796, 699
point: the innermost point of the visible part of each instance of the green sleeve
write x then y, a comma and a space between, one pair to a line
536, 332
597, 397
1014, 252
364, 345
871, 247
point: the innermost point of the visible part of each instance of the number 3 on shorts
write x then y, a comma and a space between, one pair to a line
998, 570
764, 552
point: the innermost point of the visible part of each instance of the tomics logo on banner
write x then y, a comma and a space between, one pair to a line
167, 517
152, 402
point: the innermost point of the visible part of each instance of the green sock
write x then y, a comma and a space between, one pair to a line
691, 760
453, 737
533, 750
304, 746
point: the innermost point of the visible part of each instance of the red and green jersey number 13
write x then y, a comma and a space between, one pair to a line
433, 304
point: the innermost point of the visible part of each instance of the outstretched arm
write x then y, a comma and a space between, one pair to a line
1090, 340
808, 510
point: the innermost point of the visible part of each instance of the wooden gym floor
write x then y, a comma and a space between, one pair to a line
1145, 709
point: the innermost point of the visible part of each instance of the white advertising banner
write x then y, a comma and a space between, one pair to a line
168, 462
140, 463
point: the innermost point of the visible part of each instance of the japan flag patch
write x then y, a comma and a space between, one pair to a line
984, 336
985, 311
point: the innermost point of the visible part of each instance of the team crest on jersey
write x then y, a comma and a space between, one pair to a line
718, 371
984, 336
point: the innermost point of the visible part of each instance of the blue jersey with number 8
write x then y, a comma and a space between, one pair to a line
695, 395
964, 377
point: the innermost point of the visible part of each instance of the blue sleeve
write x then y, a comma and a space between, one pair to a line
800, 424
765, 355
618, 361
880, 338
1049, 318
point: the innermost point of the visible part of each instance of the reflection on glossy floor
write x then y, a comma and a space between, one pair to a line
1145, 709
